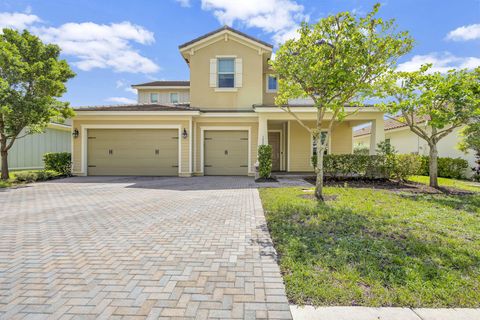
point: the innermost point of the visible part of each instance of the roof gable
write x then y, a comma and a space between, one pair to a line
215, 36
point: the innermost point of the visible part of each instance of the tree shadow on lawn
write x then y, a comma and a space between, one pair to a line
468, 202
333, 256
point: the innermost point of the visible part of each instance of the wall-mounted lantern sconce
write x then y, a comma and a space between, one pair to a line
184, 134
75, 133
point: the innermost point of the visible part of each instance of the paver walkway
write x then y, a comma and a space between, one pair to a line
98, 247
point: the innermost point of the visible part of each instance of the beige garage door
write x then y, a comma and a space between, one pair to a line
133, 152
226, 153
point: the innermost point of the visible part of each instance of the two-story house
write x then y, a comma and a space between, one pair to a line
210, 125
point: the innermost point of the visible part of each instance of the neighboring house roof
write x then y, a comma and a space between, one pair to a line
168, 83
389, 124
186, 44
139, 107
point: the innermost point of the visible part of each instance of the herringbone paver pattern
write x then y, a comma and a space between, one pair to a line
136, 248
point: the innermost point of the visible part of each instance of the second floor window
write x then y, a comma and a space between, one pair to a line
272, 83
226, 72
174, 97
153, 97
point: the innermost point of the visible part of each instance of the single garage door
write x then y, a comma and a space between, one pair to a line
226, 153
133, 152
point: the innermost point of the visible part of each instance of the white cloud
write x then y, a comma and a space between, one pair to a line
184, 3
131, 90
122, 100
102, 46
120, 84
92, 45
280, 17
465, 33
442, 62
17, 20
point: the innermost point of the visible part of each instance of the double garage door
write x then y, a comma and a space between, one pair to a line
154, 152
134, 152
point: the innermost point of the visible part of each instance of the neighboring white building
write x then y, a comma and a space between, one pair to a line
405, 141
27, 152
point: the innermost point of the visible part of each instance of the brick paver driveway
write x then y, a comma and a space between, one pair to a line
136, 248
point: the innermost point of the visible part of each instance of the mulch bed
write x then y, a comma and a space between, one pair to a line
386, 184
263, 180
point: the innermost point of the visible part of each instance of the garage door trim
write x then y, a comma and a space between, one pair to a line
223, 128
84, 137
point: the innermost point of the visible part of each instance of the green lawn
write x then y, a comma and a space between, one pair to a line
376, 247
459, 184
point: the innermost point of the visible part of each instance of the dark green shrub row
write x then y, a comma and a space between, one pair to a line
265, 161
392, 166
453, 168
35, 175
60, 162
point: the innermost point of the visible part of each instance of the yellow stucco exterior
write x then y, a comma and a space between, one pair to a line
222, 109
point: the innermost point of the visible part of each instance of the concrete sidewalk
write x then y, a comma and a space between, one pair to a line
364, 313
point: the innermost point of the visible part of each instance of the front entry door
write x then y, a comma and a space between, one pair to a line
274, 141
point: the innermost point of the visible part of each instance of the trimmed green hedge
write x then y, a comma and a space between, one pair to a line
453, 168
265, 161
60, 162
35, 175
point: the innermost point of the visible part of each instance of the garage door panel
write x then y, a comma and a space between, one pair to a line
133, 152
226, 153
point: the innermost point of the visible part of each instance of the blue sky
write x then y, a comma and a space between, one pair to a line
112, 44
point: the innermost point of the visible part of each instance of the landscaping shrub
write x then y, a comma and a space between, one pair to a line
361, 149
60, 162
395, 166
402, 166
265, 161
453, 168
35, 175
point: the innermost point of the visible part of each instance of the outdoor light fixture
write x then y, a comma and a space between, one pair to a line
75, 133
184, 134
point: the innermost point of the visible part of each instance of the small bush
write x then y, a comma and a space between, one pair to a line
403, 166
361, 149
35, 175
453, 168
60, 162
265, 161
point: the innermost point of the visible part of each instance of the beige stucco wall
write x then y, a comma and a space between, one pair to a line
405, 141
204, 96
129, 120
300, 143
231, 123
163, 95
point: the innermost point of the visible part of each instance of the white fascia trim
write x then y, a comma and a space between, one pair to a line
161, 87
229, 115
312, 109
84, 136
224, 128
137, 113
223, 32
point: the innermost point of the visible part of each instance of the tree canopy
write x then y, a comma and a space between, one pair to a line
32, 78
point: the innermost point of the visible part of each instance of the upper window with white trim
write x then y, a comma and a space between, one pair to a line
153, 97
272, 83
226, 72
174, 97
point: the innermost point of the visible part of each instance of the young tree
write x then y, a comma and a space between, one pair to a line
336, 62
31, 78
446, 101
471, 142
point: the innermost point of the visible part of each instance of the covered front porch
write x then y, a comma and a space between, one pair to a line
293, 145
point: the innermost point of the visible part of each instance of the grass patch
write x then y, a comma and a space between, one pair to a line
27, 176
444, 182
377, 247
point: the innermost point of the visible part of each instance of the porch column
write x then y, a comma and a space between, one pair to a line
377, 134
262, 130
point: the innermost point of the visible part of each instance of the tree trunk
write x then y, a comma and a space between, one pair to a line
319, 172
433, 166
5, 173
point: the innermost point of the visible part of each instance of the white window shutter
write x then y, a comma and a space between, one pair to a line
238, 72
213, 73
